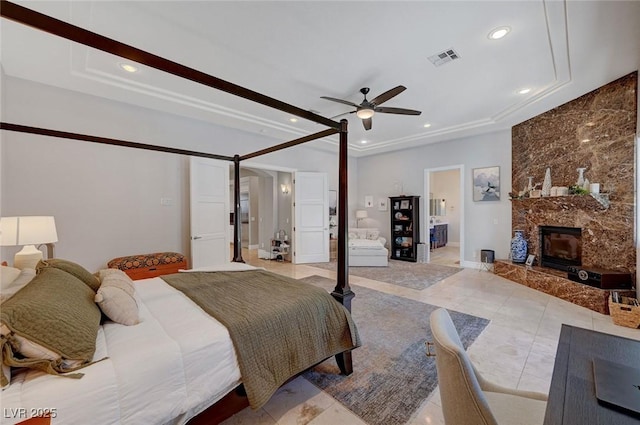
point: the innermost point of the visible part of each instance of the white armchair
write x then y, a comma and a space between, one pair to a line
467, 398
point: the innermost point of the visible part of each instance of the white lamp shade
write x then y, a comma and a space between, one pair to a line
361, 214
30, 230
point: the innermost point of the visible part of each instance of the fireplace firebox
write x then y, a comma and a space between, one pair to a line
560, 247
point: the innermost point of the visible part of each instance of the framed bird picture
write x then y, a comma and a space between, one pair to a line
486, 184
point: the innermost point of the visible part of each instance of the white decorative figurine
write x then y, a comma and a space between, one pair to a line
546, 185
580, 181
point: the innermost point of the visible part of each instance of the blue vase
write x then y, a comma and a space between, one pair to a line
518, 247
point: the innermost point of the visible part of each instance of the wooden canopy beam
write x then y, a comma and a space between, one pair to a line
106, 141
291, 143
71, 32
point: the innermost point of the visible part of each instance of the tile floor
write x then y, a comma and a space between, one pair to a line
517, 349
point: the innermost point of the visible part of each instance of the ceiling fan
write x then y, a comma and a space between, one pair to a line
367, 108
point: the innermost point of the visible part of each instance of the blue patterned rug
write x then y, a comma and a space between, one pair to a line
392, 375
410, 275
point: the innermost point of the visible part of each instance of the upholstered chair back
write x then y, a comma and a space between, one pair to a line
463, 402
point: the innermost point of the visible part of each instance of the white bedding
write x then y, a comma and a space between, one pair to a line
365, 244
165, 370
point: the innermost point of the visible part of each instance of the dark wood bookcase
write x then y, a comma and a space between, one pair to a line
405, 227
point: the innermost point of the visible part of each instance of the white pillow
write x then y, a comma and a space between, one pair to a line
362, 233
373, 234
101, 274
115, 297
24, 277
353, 235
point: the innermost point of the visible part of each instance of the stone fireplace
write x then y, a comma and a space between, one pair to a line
596, 132
560, 247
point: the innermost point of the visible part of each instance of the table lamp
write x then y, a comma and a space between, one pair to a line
361, 215
28, 231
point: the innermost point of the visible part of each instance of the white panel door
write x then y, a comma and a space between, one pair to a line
209, 186
311, 218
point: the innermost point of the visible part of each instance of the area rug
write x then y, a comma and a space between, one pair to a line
410, 275
392, 376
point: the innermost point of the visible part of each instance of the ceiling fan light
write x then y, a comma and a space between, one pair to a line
364, 113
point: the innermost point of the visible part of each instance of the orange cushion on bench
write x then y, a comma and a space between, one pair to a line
143, 266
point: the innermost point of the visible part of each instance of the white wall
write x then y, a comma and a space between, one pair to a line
106, 199
487, 224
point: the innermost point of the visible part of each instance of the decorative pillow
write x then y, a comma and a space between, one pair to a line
51, 325
71, 268
362, 233
101, 274
25, 276
116, 297
353, 235
7, 276
373, 234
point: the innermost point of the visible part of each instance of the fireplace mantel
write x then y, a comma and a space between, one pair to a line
599, 201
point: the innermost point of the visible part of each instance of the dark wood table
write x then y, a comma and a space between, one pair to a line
572, 396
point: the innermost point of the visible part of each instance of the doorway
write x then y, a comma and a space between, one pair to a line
265, 206
444, 215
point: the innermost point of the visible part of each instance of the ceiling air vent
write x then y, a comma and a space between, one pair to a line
444, 57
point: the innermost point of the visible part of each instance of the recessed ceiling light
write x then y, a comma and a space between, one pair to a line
524, 91
363, 142
427, 125
293, 119
128, 67
498, 33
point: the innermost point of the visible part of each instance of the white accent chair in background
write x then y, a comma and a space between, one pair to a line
467, 398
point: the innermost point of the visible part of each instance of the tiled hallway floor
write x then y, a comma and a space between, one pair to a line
517, 349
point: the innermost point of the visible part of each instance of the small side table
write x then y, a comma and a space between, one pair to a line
279, 249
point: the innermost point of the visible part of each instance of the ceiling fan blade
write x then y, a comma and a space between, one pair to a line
400, 111
388, 95
339, 115
346, 102
367, 123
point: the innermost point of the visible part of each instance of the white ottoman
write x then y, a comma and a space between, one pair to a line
368, 257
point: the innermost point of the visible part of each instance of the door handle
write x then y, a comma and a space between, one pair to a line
196, 237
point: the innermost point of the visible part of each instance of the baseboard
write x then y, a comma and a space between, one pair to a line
254, 246
476, 265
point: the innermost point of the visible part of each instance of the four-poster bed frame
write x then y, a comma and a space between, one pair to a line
342, 291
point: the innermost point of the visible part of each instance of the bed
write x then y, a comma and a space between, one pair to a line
113, 396
366, 248
184, 356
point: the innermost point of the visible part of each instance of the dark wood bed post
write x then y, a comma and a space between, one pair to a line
342, 291
237, 230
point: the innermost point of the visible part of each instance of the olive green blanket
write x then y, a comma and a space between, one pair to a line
279, 326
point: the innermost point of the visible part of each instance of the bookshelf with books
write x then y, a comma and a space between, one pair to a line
405, 227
